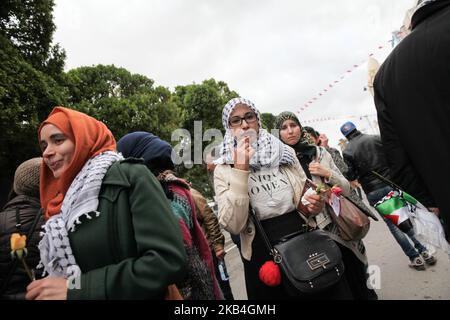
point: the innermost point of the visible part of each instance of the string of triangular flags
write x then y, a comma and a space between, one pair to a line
339, 79
322, 119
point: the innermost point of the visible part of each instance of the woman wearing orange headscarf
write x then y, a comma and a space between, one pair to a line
109, 233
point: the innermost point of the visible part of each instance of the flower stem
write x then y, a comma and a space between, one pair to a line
27, 269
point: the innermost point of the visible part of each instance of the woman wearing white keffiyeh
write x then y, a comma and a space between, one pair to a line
109, 233
257, 169
269, 151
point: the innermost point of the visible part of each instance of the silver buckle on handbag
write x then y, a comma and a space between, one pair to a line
276, 256
318, 260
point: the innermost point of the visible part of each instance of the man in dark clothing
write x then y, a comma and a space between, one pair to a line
412, 98
364, 154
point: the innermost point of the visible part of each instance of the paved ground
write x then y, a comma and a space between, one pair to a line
396, 281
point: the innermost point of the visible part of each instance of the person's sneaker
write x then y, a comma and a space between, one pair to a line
429, 259
417, 263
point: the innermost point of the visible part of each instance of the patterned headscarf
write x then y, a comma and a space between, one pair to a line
305, 137
305, 148
229, 107
269, 151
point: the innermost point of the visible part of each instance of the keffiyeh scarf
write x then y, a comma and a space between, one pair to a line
80, 200
269, 151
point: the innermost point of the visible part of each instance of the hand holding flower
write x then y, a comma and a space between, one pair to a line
315, 203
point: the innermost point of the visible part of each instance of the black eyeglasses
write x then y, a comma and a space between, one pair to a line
249, 117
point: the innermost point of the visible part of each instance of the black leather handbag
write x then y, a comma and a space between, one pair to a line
310, 261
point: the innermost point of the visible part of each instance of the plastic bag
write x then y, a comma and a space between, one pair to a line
428, 229
408, 213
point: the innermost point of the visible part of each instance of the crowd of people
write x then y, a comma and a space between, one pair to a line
107, 220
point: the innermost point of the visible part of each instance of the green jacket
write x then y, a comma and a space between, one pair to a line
134, 249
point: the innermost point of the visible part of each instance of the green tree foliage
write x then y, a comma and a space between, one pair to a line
202, 102
30, 70
28, 24
268, 121
26, 97
125, 102
32, 82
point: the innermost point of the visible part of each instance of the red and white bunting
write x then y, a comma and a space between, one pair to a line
339, 79
323, 119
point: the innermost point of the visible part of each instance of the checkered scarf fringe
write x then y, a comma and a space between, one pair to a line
80, 200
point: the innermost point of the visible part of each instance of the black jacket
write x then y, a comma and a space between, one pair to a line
363, 154
412, 98
28, 208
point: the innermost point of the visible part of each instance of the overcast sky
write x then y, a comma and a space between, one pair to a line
279, 54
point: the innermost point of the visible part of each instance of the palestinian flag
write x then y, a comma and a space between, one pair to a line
396, 206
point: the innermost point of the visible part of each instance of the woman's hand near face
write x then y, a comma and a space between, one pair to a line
50, 288
243, 154
315, 168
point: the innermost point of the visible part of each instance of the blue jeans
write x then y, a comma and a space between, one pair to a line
399, 235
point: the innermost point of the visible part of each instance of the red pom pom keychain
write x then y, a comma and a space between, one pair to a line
270, 274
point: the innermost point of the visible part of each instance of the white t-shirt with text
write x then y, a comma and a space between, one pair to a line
270, 192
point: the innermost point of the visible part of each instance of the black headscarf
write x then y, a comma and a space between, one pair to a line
157, 153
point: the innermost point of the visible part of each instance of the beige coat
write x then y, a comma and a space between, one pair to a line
231, 188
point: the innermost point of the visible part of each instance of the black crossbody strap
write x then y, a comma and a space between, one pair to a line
35, 221
261, 229
273, 252
16, 261
386, 180
18, 222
